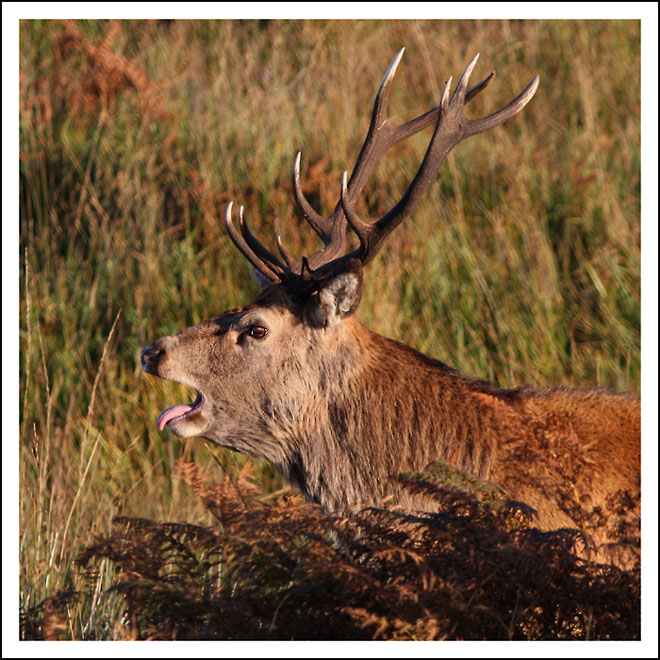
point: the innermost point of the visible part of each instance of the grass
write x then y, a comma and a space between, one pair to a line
522, 264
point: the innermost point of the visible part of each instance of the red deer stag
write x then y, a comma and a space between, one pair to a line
295, 380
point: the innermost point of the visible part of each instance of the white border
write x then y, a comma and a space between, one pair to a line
13, 11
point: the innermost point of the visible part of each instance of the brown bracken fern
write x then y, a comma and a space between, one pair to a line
282, 570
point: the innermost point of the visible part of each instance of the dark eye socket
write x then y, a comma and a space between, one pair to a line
257, 331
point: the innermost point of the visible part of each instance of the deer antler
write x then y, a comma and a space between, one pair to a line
451, 127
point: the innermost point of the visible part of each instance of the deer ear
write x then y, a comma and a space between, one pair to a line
339, 296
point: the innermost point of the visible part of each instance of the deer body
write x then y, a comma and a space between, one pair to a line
339, 410
295, 380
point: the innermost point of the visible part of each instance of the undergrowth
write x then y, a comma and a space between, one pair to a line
283, 570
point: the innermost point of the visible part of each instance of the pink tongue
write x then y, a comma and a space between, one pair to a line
171, 413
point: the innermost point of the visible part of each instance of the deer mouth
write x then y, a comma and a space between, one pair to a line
177, 413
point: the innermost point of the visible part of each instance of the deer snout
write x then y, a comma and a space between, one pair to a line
150, 357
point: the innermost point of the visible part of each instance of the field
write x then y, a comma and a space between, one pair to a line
521, 265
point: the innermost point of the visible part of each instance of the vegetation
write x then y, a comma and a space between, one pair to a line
522, 265
284, 570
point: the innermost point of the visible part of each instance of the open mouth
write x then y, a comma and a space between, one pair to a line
177, 413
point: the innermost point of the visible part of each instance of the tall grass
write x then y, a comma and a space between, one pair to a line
522, 264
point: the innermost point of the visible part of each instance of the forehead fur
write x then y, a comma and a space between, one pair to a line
276, 295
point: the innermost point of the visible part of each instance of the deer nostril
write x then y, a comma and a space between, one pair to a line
151, 355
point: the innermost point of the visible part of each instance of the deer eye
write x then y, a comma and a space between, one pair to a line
257, 331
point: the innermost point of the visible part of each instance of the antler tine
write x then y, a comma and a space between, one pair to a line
320, 224
256, 246
332, 230
451, 128
461, 87
383, 94
444, 99
362, 229
381, 135
476, 126
292, 263
248, 253
473, 91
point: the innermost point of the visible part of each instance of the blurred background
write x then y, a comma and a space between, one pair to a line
521, 265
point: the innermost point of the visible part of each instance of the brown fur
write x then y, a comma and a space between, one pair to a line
338, 409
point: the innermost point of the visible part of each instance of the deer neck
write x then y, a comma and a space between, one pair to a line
384, 409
